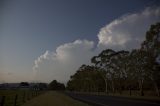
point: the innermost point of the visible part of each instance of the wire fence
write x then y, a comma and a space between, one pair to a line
18, 98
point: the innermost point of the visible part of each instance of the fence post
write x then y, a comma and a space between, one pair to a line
28, 96
36, 93
24, 97
32, 94
15, 101
2, 100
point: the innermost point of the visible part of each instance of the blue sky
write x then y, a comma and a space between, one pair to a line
31, 28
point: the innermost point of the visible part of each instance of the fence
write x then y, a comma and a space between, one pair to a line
18, 99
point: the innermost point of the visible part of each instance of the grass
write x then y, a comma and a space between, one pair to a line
135, 95
23, 95
10, 96
155, 98
148, 95
53, 98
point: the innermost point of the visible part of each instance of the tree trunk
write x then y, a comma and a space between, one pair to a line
130, 91
157, 90
155, 86
120, 86
113, 89
106, 85
120, 90
141, 87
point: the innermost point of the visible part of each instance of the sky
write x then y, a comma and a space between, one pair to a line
43, 40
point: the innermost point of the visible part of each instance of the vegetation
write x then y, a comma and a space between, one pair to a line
88, 79
118, 71
16, 97
54, 85
14, 94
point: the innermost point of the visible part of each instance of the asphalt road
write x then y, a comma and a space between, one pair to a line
100, 100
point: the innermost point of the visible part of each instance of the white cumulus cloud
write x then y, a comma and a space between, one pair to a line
126, 32
64, 62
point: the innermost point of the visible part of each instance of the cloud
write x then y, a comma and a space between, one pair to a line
126, 32
64, 62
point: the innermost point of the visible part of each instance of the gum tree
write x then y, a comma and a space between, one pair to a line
152, 46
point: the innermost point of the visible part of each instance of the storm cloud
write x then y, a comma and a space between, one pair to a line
126, 32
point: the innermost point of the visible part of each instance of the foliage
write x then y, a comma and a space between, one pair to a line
24, 84
54, 85
122, 70
86, 79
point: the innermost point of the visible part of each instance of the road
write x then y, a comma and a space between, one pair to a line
100, 100
53, 98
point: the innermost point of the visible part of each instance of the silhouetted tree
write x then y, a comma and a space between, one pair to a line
119, 64
122, 69
54, 85
152, 47
42, 86
86, 79
24, 84
102, 61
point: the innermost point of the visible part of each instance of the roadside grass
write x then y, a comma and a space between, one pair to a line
135, 95
10, 95
154, 98
148, 95
54, 98
10, 92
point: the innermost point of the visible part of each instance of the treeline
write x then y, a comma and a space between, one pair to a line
116, 71
55, 85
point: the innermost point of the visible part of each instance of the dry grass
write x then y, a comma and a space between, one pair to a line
135, 95
53, 98
10, 96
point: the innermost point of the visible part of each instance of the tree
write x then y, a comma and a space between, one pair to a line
119, 64
122, 70
102, 61
24, 84
137, 67
86, 79
152, 47
42, 86
54, 85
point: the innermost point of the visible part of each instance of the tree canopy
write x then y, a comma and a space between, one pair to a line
115, 71
54, 85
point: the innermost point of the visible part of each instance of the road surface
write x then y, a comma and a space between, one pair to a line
100, 100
